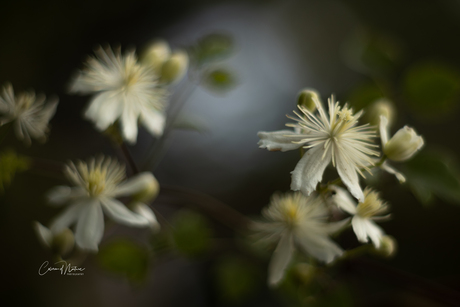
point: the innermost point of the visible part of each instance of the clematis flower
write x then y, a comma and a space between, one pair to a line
30, 114
123, 90
96, 185
296, 221
364, 214
330, 138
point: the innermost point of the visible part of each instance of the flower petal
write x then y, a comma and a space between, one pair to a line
280, 259
119, 213
109, 111
389, 169
319, 246
44, 234
61, 194
383, 130
90, 226
365, 228
309, 171
145, 211
68, 216
135, 184
279, 140
349, 176
154, 122
343, 200
129, 125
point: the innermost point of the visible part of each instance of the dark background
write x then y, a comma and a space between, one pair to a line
281, 47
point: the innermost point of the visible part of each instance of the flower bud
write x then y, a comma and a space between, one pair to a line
149, 188
63, 242
175, 67
379, 107
156, 54
306, 99
403, 145
388, 247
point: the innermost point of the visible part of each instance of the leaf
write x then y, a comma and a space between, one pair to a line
236, 278
10, 164
433, 173
431, 89
219, 80
212, 47
363, 95
191, 233
125, 258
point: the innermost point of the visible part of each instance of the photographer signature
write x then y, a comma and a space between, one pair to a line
63, 266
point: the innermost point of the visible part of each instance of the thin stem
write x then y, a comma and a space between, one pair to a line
129, 158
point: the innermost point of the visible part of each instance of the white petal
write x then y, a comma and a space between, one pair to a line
129, 125
280, 259
309, 171
145, 211
365, 228
44, 234
135, 184
119, 213
154, 122
319, 246
383, 130
92, 112
109, 111
68, 217
90, 227
389, 169
334, 227
343, 199
61, 194
349, 176
278, 140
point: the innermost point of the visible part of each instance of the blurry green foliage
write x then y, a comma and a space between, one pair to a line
236, 278
363, 95
212, 47
191, 233
10, 164
431, 89
432, 173
219, 80
126, 258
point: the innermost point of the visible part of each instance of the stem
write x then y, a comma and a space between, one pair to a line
129, 158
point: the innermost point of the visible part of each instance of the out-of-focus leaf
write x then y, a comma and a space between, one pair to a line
191, 233
187, 122
219, 80
10, 164
432, 89
370, 52
236, 278
363, 95
433, 173
125, 258
212, 47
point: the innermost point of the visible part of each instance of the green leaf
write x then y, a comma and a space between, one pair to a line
212, 47
125, 258
433, 173
363, 95
236, 278
191, 233
10, 164
219, 80
432, 89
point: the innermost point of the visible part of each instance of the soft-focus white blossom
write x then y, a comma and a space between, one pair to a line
333, 137
364, 214
296, 221
29, 114
96, 185
124, 90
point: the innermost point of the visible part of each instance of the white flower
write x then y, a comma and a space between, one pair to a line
364, 214
403, 145
96, 185
29, 114
61, 243
296, 220
123, 89
334, 137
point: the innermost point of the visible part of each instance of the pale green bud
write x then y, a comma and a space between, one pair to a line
388, 247
156, 54
175, 67
379, 107
305, 272
306, 98
149, 189
403, 145
145, 211
63, 242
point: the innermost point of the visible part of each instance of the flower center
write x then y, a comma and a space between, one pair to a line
96, 182
371, 206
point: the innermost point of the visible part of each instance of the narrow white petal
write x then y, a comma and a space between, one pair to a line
109, 111
319, 246
343, 199
365, 228
389, 169
135, 184
61, 194
90, 227
279, 140
349, 177
359, 227
44, 234
129, 125
145, 211
92, 112
383, 130
119, 213
334, 227
280, 259
68, 217
154, 122
309, 171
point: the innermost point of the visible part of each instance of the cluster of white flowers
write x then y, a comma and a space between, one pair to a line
305, 221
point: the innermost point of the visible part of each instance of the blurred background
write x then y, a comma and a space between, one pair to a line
406, 51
